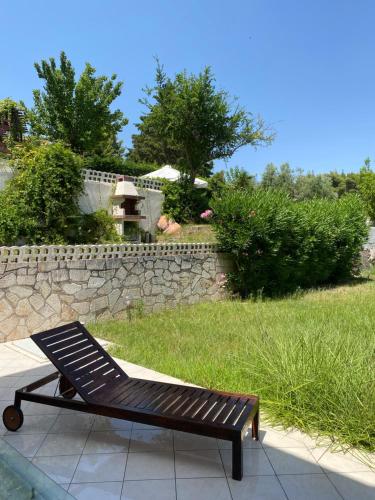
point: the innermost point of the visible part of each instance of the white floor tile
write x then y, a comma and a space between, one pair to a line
60, 469
36, 424
108, 442
68, 443
279, 439
154, 489
355, 485
26, 444
186, 441
293, 461
111, 424
30, 408
96, 491
151, 440
71, 423
339, 462
100, 468
248, 442
255, 463
309, 487
203, 489
199, 463
257, 488
153, 465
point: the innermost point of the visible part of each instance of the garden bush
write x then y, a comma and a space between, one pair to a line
40, 202
278, 244
183, 202
95, 228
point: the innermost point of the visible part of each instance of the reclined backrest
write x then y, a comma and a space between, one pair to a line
80, 358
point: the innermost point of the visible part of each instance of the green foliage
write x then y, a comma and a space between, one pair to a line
309, 356
344, 183
238, 179
77, 112
367, 188
183, 202
310, 186
97, 227
39, 203
279, 245
12, 119
279, 178
119, 165
190, 124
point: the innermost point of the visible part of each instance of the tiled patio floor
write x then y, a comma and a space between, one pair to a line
102, 458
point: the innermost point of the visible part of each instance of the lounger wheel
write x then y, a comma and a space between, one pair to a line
66, 389
12, 418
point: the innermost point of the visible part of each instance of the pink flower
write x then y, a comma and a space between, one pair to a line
207, 214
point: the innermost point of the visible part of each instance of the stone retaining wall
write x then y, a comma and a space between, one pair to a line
42, 289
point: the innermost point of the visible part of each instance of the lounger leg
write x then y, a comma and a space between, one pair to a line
255, 427
237, 458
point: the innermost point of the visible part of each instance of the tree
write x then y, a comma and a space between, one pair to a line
12, 122
77, 112
312, 186
190, 124
279, 178
367, 188
40, 203
238, 179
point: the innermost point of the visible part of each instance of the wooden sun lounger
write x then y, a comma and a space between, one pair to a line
84, 367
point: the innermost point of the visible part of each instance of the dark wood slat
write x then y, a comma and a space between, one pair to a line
177, 395
152, 398
96, 362
180, 409
236, 413
65, 342
203, 396
44, 336
184, 396
150, 389
79, 368
136, 390
166, 399
220, 409
122, 389
209, 404
228, 410
82, 353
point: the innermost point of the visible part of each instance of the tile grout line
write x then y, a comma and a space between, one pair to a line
127, 458
276, 475
225, 473
174, 464
324, 471
81, 454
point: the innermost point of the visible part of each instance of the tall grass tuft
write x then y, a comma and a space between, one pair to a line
311, 357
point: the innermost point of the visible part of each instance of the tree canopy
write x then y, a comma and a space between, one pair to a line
77, 112
190, 124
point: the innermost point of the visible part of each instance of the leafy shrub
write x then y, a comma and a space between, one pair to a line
40, 202
97, 227
183, 202
279, 245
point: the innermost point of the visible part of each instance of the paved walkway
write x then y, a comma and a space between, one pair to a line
101, 458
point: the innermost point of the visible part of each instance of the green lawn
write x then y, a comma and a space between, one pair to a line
311, 358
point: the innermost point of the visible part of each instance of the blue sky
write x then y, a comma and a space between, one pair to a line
307, 67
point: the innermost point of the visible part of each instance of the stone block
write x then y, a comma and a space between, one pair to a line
98, 304
8, 280
6, 310
85, 294
21, 291
42, 276
148, 275
173, 267
79, 275
71, 288
54, 302
23, 308
96, 282
167, 275
132, 280
185, 264
45, 267
112, 297
44, 288
122, 273
34, 321
161, 264
96, 264
81, 307
105, 289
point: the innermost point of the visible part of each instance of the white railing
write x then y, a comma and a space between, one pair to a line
44, 253
109, 177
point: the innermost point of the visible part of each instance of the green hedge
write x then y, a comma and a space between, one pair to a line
279, 245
